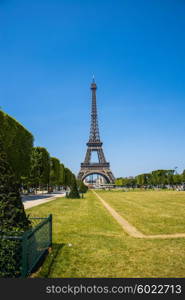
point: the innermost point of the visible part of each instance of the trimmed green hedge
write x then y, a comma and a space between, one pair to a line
10, 258
18, 143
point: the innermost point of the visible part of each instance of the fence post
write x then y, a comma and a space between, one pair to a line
50, 230
24, 262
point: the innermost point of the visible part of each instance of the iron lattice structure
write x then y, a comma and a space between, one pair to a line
102, 167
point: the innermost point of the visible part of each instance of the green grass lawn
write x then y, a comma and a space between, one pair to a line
100, 248
152, 212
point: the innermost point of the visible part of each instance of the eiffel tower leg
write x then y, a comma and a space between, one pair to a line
101, 156
88, 156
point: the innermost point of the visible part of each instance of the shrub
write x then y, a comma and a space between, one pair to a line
74, 194
82, 187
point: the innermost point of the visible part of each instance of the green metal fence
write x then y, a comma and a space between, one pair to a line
33, 244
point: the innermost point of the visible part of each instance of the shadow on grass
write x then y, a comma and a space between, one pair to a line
45, 264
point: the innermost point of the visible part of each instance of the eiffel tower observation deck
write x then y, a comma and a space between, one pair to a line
94, 144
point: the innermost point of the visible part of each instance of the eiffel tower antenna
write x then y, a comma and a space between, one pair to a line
94, 144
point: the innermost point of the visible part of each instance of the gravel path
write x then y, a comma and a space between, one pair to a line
34, 200
130, 229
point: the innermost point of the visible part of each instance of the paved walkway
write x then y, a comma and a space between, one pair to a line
34, 200
130, 229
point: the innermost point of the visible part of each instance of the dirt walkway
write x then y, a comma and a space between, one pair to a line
130, 229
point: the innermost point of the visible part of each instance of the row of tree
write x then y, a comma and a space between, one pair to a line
33, 167
157, 178
48, 173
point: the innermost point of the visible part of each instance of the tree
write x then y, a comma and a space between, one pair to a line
62, 175
183, 176
126, 181
141, 179
18, 143
170, 179
131, 182
74, 194
54, 171
119, 181
162, 177
177, 178
68, 177
12, 218
40, 167
12, 214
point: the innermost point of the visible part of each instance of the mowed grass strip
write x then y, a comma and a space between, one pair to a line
151, 212
88, 242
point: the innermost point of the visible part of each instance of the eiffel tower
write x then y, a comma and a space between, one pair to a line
102, 167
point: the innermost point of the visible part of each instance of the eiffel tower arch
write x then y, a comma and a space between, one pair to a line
94, 144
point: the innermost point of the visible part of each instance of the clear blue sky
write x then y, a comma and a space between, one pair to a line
49, 50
